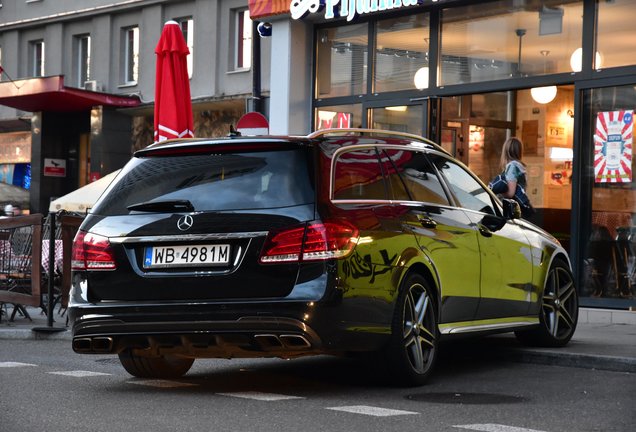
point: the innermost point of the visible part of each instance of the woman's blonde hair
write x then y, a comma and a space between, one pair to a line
512, 150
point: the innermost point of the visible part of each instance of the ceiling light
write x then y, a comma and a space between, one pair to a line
576, 60
399, 108
421, 78
543, 95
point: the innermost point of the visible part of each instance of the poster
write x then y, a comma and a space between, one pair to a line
613, 139
556, 136
330, 119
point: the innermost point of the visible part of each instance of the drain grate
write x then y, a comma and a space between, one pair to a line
466, 398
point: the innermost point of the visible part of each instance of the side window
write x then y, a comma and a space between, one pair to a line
391, 160
468, 191
358, 176
418, 176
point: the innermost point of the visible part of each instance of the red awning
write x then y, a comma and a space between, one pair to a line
50, 94
265, 8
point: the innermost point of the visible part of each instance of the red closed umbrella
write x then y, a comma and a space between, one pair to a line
173, 105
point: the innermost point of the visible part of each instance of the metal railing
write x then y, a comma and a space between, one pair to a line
35, 266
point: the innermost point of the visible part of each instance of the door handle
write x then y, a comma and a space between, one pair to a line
426, 221
483, 230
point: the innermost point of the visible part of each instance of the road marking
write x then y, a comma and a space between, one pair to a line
14, 364
491, 427
79, 373
373, 411
260, 396
163, 383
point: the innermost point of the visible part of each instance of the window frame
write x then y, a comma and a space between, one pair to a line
37, 57
188, 35
130, 66
82, 59
242, 40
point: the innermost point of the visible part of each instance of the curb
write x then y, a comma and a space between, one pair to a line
544, 357
29, 334
566, 359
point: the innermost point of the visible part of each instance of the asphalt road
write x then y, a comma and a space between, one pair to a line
44, 386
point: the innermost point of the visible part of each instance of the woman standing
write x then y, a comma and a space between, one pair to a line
515, 173
514, 169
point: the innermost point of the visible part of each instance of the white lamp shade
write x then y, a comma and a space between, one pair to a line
543, 95
576, 60
421, 78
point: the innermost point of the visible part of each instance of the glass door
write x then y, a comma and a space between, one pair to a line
397, 115
608, 241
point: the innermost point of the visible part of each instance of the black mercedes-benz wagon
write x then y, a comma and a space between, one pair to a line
344, 241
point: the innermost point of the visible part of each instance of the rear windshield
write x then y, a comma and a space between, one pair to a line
214, 182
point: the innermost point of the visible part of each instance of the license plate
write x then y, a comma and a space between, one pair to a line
187, 255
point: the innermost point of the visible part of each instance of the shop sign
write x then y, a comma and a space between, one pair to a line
54, 168
330, 119
348, 8
15, 147
613, 140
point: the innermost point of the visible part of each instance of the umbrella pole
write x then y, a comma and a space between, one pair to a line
49, 304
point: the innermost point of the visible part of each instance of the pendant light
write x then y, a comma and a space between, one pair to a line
546, 94
576, 60
421, 78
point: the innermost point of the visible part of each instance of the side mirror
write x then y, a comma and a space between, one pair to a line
511, 208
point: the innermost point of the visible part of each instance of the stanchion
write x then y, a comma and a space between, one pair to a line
49, 304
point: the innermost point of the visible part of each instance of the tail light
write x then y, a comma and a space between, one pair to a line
313, 241
92, 252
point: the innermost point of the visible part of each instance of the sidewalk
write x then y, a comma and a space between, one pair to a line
604, 339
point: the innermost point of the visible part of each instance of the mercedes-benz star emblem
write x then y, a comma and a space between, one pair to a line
185, 222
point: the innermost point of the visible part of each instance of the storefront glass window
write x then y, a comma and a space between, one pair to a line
509, 39
609, 269
401, 53
494, 106
402, 118
616, 33
474, 128
342, 58
341, 116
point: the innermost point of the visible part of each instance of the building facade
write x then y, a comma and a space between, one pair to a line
77, 83
559, 74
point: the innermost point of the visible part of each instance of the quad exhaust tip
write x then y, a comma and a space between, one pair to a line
99, 344
272, 341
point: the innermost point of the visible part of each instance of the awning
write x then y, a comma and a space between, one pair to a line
50, 94
82, 199
265, 8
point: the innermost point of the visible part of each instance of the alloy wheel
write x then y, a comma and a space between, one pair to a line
419, 333
560, 303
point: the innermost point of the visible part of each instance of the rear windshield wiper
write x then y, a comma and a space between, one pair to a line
162, 206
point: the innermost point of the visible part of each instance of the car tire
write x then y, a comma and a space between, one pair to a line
155, 367
412, 350
559, 310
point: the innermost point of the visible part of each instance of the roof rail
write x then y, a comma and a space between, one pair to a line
367, 132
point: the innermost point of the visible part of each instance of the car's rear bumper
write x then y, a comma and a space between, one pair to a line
213, 331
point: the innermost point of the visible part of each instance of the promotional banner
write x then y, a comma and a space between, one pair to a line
613, 146
330, 119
